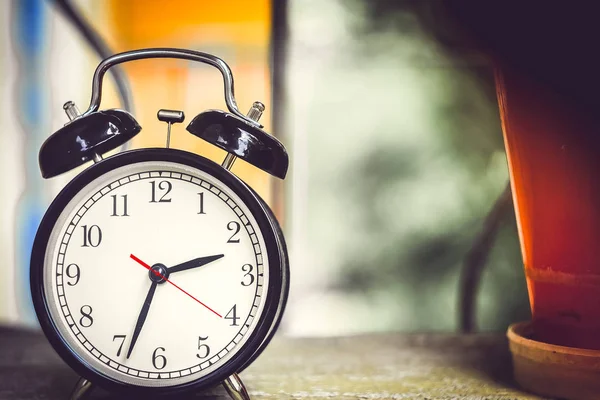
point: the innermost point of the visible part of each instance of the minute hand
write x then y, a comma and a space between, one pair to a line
195, 263
142, 317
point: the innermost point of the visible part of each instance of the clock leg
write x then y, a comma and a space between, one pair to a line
82, 388
235, 388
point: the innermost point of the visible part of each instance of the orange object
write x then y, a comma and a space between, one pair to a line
554, 160
550, 370
238, 31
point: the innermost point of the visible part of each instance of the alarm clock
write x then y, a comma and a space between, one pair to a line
157, 271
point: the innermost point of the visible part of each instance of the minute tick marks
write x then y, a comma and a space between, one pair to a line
198, 287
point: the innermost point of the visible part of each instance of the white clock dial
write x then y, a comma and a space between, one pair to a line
160, 215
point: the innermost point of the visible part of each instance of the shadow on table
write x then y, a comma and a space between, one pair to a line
31, 370
433, 365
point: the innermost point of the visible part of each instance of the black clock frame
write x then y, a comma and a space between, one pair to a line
277, 290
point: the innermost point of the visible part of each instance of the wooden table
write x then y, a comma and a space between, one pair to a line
423, 366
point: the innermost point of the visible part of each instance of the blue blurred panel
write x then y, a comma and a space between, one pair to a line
30, 27
30, 38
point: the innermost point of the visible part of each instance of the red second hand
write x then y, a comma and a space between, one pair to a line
143, 264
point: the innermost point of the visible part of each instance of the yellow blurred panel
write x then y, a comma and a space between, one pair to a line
237, 31
144, 22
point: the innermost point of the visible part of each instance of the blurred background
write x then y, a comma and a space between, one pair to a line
388, 113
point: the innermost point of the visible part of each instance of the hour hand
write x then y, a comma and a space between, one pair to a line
195, 263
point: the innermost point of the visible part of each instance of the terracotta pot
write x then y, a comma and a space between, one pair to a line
554, 161
551, 370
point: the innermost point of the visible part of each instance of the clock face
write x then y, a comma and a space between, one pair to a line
155, 274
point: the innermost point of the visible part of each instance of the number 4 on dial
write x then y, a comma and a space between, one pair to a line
232, 315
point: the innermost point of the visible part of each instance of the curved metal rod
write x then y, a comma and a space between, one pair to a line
476, 258
185, 54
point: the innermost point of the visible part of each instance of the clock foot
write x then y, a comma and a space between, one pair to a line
235, 388
82, 388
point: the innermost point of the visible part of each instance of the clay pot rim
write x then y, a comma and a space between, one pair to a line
552, 370
519, 336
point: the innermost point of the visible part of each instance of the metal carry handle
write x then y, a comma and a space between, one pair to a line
185, 54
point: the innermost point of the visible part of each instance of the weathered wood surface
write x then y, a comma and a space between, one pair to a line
363, 367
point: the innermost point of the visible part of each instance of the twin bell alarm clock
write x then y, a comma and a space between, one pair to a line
157, 271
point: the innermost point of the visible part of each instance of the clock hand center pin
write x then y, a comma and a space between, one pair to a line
158, 273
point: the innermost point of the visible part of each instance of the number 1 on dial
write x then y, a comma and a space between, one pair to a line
201, 194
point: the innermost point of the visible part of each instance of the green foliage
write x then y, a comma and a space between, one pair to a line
406, 159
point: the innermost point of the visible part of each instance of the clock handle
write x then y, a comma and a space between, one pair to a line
236, 388
167, 52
